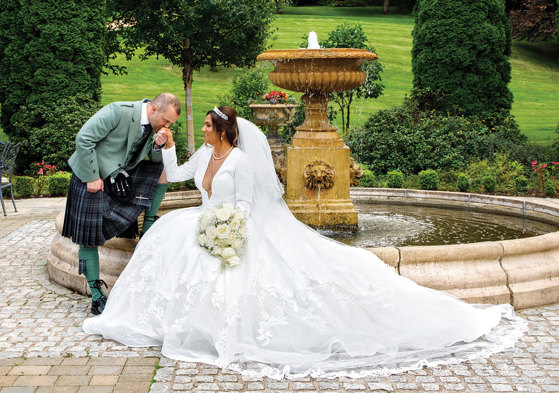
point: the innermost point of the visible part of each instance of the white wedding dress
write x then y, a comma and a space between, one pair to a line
298, 304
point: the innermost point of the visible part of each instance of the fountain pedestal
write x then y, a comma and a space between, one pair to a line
318, 162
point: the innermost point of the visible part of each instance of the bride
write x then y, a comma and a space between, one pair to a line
298, 303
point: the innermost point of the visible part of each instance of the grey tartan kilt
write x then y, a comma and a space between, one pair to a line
92, 219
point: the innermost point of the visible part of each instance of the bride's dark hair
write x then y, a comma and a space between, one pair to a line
229, 126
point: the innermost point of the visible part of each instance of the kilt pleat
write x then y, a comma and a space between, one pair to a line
92, 219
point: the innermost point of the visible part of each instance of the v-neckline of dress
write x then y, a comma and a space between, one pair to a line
215, 174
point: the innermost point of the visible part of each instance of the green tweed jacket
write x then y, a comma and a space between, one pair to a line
104, 143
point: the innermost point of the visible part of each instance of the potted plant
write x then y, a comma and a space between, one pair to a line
273, 110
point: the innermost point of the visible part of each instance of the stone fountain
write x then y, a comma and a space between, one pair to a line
318, 161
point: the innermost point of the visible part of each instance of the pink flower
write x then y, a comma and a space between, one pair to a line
41, 171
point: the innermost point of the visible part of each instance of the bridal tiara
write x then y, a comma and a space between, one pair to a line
220, 113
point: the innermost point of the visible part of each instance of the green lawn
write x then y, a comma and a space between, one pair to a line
535, 75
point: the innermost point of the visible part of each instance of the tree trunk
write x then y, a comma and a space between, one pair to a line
346, 127
386, 6
187, 74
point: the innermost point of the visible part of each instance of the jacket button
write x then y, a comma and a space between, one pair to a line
94, 171
91, 162
119, 164
91, 151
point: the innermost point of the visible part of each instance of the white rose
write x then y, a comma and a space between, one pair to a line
202, 239
223, 214
228, 253
238, 244
222, 243
211, 232
235, 224
209, 243
223, 231
234, 261
205, 222
217, 251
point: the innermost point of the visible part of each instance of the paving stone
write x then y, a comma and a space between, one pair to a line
230, 385
73, 380
18, 389
98, 389
140, 361
74, 362
54, 361
159, 388
104, 380
69, 370
136, 377
35, 380
106, 370
106, 361
57, 389
30, 370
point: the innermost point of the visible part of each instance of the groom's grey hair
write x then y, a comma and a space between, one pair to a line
163, 100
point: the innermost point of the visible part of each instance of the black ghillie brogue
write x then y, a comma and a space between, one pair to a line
97, 306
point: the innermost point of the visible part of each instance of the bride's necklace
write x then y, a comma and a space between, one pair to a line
223, 156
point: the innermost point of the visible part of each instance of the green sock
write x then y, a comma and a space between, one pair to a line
91, 257
158, 195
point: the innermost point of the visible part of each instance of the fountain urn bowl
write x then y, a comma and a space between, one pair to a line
317, 73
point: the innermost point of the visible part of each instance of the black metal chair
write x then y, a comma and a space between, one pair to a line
7, 162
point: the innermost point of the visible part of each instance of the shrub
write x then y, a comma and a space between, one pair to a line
461, 49
24, 186
395, 179
489, 183
184, 185
550, 188
247, 84
521, 184
463, 182
368, 180
429, 180
408, 139
58, 184
52, 129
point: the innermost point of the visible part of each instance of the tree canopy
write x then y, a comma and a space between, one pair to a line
192, 34
353, 36
51, 51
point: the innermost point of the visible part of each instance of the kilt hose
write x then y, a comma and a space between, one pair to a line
92, 219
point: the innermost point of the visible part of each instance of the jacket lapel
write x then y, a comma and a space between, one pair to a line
135, 130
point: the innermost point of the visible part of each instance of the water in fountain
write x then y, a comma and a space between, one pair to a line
313, 41
382, 225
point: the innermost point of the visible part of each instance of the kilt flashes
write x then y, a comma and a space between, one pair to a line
92, 219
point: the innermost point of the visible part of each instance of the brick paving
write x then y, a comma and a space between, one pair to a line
42, 347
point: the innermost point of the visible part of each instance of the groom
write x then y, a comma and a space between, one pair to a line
112, 183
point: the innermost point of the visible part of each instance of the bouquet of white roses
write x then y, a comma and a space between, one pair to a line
223, 233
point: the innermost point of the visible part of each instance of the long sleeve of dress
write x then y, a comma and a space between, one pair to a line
244, 186
186, 171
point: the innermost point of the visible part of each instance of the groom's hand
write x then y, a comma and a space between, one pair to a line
94, 186
160, 138
167, 136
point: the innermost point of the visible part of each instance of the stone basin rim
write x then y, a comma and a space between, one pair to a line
521, 272
316, 54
